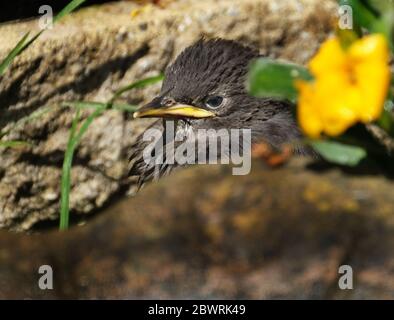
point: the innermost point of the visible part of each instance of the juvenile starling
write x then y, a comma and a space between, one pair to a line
204, 88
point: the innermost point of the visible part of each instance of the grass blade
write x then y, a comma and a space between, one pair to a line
86, 104
13, 53
86, 125
66, 176
74, 139
24, 43
125, 107
32, 116
13, 144
94, 105
138, 84
68, 9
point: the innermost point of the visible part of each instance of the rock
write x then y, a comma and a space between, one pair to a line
90, 54
277, 234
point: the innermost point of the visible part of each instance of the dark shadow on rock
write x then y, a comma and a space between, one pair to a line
81, 86
12, 95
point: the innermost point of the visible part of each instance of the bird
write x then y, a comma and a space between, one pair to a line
204, 88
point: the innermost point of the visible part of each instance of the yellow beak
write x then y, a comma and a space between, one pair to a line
175, 111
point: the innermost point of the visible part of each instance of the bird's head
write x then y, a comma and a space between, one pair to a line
205, 87
205, 81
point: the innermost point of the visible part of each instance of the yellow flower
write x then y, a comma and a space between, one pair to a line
350, 85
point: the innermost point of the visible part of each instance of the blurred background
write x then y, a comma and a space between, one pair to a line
201, 232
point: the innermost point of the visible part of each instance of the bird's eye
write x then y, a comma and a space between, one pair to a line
213, 102
167, 102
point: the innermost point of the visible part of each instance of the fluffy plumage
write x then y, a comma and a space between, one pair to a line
218, 68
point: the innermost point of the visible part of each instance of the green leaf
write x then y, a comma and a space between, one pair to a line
380, 6
270, 78
375, 16
386, 120
362, 16
339, 153
347, 37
